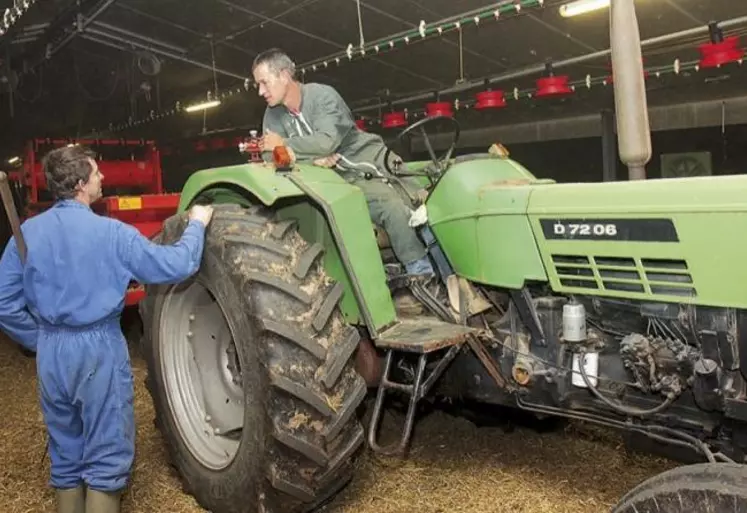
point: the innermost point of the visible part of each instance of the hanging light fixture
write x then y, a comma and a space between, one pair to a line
210, 103
202, 106
580, 7
438, 108
719, 51
393, 119
551, 85
490, 99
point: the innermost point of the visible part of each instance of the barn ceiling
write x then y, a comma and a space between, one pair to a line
71, 67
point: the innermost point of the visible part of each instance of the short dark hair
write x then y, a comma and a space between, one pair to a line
65, 167
277, 60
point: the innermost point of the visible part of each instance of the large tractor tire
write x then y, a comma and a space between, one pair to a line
251, 369
700, 488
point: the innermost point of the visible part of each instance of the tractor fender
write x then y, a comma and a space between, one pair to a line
329, 211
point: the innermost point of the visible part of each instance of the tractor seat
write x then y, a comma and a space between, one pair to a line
382, 238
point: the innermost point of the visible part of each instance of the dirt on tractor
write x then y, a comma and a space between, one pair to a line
453, 464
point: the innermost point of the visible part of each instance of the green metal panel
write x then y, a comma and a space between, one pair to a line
314, 227
262, 181
478, 214
347, 214
698, 259
336, 212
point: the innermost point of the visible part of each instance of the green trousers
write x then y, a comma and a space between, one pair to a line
389, 209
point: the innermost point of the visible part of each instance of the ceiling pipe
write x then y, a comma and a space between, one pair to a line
540, 68
135, 35
100, 41
164, 53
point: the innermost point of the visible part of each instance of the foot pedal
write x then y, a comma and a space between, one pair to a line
423, 337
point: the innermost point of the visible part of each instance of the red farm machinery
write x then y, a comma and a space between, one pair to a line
133, 186
133, 182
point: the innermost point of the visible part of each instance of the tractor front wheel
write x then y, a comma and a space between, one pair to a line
251, 369
701, 488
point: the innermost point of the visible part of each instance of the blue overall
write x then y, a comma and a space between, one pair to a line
65, 304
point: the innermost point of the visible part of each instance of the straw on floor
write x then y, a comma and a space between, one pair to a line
453, 466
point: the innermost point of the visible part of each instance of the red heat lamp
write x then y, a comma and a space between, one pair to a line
719, 51
551, 85
490, 99
393, 119
438, 108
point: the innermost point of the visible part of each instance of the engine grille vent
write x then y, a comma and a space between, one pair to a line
650, 276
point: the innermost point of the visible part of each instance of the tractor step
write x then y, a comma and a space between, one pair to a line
422, 337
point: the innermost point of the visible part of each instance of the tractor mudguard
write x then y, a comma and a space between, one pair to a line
259, 180
329, 211
477, 212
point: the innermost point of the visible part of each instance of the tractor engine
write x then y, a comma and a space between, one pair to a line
668, 371
671, 365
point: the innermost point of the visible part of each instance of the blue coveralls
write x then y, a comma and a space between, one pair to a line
65, 304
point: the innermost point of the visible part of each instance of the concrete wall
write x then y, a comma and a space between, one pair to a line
580, 160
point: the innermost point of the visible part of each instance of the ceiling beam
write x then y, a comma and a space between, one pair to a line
163, 52
324, 40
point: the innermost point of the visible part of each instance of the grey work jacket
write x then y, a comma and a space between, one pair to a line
325, 126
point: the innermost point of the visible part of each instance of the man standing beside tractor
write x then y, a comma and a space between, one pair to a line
314, 123
62, 285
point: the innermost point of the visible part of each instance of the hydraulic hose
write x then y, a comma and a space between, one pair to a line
627, 410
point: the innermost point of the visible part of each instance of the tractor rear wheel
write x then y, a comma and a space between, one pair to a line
705, 487
251, 369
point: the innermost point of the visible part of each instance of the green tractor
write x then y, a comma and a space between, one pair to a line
621, 304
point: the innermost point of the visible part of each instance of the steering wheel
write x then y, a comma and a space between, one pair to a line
439, 163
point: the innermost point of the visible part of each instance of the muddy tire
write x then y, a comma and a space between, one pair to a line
701, 488
280, 364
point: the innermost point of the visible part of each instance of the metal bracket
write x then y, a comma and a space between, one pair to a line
523, 301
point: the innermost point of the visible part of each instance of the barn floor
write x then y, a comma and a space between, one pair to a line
454, 466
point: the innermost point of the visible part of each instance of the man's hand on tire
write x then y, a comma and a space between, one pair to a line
202, 213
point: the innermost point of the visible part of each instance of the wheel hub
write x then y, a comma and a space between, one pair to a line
201, 374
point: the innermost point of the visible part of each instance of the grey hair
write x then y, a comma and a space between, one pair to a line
277, 60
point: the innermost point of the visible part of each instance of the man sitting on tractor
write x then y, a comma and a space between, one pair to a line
314, 123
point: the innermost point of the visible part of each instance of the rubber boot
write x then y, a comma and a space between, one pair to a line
72, 500
102, 502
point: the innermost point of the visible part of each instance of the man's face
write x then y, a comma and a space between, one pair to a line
92, 189
271, 86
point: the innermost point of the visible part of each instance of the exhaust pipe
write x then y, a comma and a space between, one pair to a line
631, 109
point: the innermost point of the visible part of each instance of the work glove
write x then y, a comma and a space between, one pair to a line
202, 213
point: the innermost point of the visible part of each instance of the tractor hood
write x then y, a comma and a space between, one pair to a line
658, 240
478, 213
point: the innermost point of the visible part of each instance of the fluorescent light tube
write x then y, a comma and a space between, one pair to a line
582, 7
202, 106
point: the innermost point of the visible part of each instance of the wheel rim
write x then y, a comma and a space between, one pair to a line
201, 374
